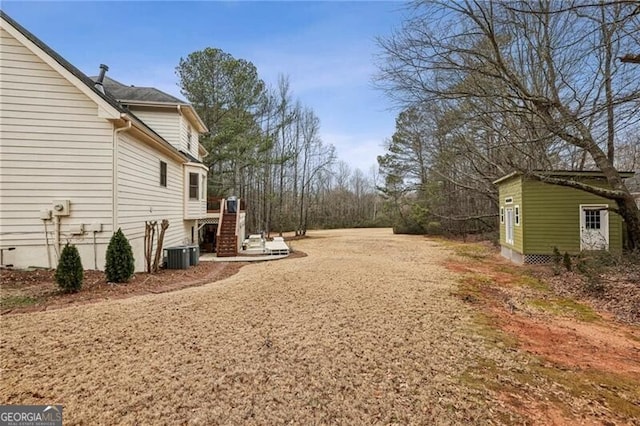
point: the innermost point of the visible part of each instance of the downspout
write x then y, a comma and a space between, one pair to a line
56, 222
114, 171
46, 242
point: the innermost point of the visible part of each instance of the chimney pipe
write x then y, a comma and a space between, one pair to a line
103, 71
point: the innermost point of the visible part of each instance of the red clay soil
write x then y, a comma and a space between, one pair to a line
603, 345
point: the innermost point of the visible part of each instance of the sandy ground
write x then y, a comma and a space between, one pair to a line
362, 330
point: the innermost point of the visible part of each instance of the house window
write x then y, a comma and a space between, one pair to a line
517, 215
163, 173
194, 179
501, 214
592, 219
189, 139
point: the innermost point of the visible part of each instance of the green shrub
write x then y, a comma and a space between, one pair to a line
120, 262
434, 228
566, 260
592, 264
69, 272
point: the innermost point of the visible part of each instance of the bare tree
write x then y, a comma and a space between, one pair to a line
543, 73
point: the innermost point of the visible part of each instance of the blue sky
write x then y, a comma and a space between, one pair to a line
327, 49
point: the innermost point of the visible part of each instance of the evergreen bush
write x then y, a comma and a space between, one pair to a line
69, 273
120, 262
566, 260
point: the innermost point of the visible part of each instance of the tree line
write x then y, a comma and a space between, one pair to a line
491, 87
265, 148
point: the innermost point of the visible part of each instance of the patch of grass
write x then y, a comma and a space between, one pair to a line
473, 251
12, 302
532, 282
615, 392
565, 306
469, 289
477, 280
486, 327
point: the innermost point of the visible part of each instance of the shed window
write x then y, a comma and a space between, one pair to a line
517, 215
501, 214
508, 200
163, 173
592, 219
194, 181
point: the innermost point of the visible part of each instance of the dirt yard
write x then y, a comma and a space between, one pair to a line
369, 328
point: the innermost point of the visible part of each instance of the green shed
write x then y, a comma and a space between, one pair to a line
535, 217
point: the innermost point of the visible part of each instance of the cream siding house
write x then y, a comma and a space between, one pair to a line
76, 164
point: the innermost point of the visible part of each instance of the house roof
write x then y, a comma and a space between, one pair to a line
152, 97
562, 173
89, 83
131, 94
191, 158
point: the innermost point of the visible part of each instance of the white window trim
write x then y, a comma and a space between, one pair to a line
508, 200
197, 197
501, 214
517, 215
166, 174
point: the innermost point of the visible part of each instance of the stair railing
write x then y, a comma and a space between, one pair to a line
238, 243
223, 207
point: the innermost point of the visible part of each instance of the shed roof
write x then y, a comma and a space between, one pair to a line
562, 173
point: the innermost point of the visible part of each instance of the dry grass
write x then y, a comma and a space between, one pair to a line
369, 328
363, 330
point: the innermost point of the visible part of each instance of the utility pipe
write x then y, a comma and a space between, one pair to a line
56, 222
46, 242
114, 171
95, 252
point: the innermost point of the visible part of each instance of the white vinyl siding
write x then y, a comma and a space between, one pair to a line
165, 122
141, 199
194, 208
184, 137
53, 146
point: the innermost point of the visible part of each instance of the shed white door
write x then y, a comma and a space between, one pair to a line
594, 227
508, 224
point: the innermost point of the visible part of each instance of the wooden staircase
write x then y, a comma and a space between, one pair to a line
227, 240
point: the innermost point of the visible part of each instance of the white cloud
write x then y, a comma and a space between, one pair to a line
358, 150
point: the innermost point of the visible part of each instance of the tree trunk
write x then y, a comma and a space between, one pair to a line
156, 261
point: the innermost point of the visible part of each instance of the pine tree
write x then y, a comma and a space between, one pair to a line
120, 262
69, 273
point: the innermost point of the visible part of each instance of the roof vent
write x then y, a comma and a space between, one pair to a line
103, 71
